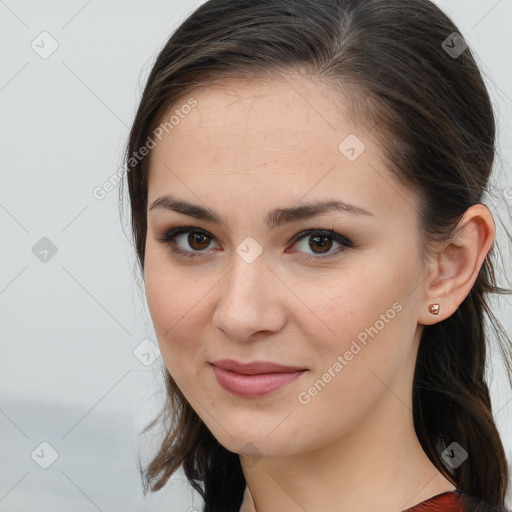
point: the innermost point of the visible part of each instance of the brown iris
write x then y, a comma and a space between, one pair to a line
320, 240
200, 238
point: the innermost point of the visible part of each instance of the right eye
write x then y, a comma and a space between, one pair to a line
196, 238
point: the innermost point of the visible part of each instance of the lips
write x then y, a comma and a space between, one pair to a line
254, 379
254, 368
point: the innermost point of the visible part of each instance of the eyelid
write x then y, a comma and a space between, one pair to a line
169, 236
327, 232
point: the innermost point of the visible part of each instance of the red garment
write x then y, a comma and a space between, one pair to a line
455, 501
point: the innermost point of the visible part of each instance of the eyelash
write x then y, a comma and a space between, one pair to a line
168, 238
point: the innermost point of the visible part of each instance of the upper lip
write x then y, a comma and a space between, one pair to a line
254, 367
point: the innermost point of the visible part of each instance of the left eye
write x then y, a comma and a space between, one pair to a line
320, 241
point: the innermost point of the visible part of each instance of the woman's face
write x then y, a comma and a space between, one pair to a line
341, 307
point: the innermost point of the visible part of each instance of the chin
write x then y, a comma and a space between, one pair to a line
256, 443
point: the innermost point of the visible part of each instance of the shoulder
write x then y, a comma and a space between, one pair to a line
474, 504
456, 501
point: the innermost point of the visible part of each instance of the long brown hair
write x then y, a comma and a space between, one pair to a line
403, 71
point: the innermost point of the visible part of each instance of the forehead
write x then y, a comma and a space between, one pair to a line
279, 115
286, 138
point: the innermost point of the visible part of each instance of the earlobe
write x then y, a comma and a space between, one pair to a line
440, 302
458, 265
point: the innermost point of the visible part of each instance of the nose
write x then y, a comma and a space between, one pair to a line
251, 301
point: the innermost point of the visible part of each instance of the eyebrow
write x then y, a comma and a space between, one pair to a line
276, 217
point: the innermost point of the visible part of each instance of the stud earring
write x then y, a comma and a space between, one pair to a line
434, 308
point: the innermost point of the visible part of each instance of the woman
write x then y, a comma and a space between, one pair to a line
306, 183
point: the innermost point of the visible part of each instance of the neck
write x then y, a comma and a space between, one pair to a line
378, 465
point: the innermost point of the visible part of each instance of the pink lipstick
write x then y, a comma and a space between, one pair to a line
254, 379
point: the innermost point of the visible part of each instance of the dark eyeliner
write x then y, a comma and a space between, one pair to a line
169, 236
344, 242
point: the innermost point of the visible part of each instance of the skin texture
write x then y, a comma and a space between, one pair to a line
247, 148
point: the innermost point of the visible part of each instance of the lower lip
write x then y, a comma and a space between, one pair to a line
253, 385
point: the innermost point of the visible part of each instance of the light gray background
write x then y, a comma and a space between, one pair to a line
69, 326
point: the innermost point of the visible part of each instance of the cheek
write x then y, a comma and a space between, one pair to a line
371, 339
172, 301
363, 320
350, 302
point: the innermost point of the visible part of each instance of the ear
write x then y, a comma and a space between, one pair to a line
455, 269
